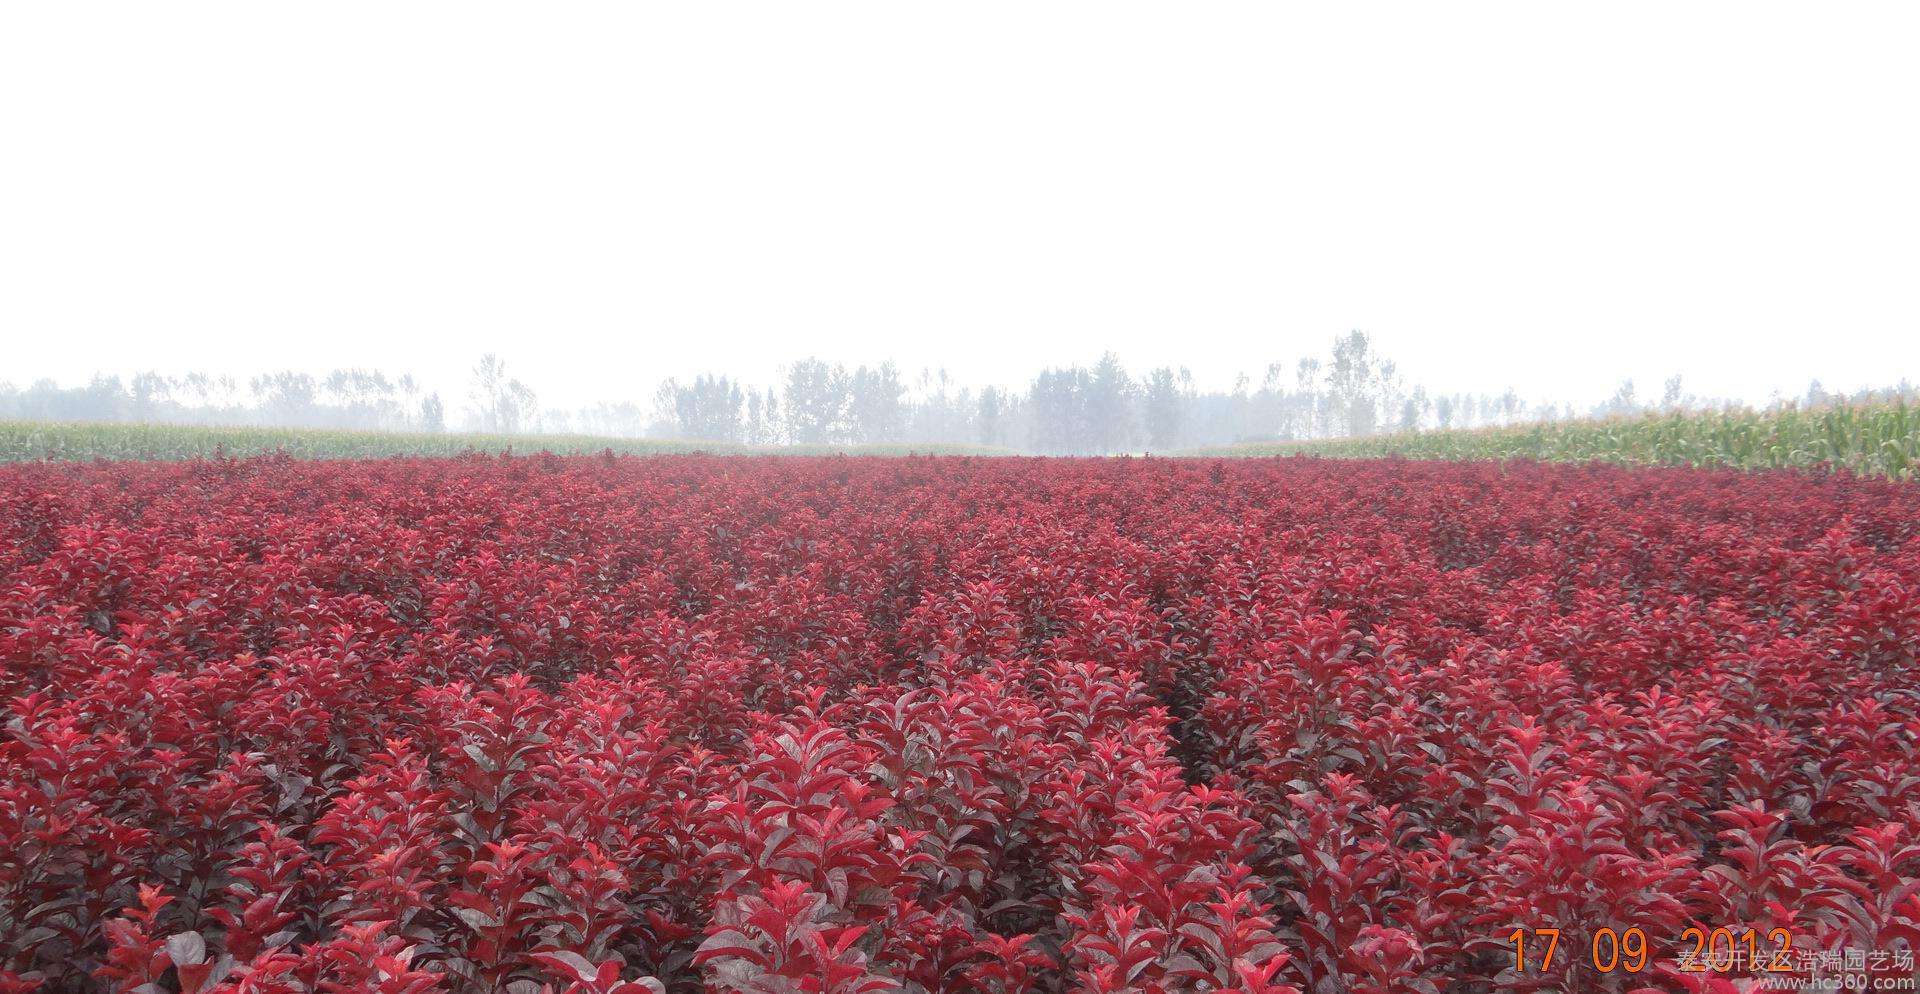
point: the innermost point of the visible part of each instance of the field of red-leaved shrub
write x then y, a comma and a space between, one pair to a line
613, 725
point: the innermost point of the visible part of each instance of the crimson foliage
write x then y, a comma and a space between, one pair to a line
610, 726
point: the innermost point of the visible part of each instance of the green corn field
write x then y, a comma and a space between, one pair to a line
22, 441
1881, 440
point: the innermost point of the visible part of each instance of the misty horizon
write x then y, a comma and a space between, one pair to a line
618, 381
1102, 406
452, 378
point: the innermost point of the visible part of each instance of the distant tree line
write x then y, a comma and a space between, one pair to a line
343, 398
1103, 408
1092, 409
1096, 409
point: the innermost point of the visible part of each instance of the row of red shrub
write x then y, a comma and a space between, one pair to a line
605, 726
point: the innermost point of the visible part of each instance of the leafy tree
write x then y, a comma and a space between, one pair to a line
151, 394
500, 403
1164, 408
1058, 398
285, 397
816, 400
1623, 402
989, 423
1351, 381
710, 408
1109, 405
433, 414
877, 412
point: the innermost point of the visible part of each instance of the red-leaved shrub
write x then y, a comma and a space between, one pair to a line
616, 726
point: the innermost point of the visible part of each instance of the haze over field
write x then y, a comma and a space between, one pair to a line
1502, 196
1029, 498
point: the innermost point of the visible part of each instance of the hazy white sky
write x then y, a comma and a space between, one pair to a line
1530, 194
